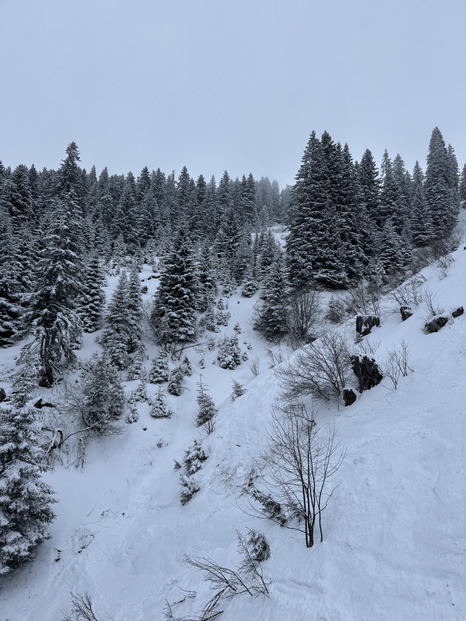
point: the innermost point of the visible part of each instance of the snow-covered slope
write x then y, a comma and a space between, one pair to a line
395, 533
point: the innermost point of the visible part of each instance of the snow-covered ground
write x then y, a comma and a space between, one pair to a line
395, 532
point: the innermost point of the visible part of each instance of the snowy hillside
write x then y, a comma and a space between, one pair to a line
395, 536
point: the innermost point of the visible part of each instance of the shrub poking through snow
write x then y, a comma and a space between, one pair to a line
159, 407
257, 545
237, 390
189, 487
229, 353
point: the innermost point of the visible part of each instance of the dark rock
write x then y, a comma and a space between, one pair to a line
367, 372
40, 404
436, 323
349, 396
406, 312
2, 394
365, 323
459, 311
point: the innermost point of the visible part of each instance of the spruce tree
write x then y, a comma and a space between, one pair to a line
271, 315
159, 371
174, 313
159, 407
92, 299
421, 221
116, 336
134, 310
462, 185
207, 410
54, 316
440, 186
25, 500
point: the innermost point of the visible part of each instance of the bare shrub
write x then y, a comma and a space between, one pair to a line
431, 304
321, 369
255, 366
443, 265
82, 609
410, 293
397, 363
245, 578
368, 347
303, 313
275, 358
300, 462
363, 300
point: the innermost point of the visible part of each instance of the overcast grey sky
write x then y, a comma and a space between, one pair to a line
235, 85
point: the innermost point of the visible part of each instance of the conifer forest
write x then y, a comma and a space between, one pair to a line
195, 337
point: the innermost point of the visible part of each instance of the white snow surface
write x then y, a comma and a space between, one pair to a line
395, 533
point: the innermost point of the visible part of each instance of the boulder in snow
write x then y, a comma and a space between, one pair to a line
365, 323
367, 372
406, 312
436, 323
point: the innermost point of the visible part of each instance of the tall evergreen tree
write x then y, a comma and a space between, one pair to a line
174, 313
55, 322
421, 221
271, 316
92, 298
440, 186
116, 336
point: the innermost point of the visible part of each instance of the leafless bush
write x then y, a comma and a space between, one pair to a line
82, 609
443, 265
431, 305
299, 465
363, 300
397, 363
246, 578
275, 358
368, 347
304, 311
255, 366
410, 293
320, 369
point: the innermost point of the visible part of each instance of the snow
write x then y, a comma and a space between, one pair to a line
395, 536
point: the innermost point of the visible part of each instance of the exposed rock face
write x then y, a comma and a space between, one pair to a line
367, 372
349, 396
2, 394
459, 311
406, 312
436, 323
365, 323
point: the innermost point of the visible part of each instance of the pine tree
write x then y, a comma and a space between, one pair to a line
160, 408
207, 410
272, 311
134, 310
421, 221
440, 186
174, 313
116, 336
462, 185
102, 397
55, 321
159, 371
92, 299
25, 500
